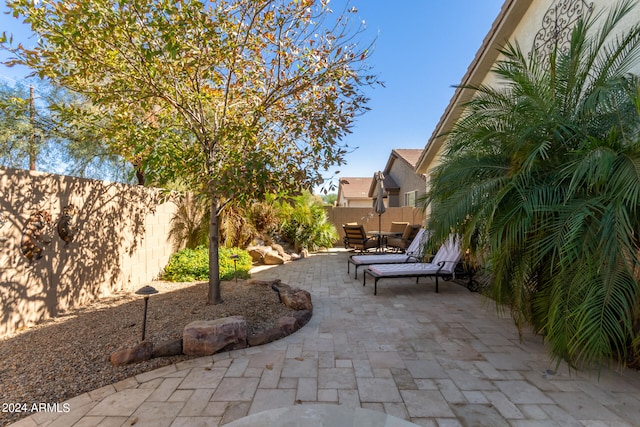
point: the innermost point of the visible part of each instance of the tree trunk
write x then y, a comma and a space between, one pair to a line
214, 265
32, 138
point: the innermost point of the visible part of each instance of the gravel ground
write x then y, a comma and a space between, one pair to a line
69, 355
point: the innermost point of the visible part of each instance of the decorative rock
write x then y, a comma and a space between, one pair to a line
206, 337
295, 298
302, 318
168, 348
262, 282
287, 324
279, 249
272, 258
266, 337
139, 353
298, 299
257, 253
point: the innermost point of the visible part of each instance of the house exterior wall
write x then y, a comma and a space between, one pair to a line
356, 203
406, 177
119, 243
532, 22
524, 32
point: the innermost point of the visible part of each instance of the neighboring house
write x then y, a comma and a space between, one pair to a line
354, 193
529, 22
403, 186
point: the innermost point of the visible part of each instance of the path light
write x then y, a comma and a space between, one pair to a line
146, 291
234, 257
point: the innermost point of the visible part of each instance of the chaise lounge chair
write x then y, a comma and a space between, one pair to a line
413, 254
442, 265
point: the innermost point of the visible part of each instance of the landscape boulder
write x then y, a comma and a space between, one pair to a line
287, 324
302, 317
294, 298
168, 348
272, 257
257, 253
206, 337
126, 356
267, 336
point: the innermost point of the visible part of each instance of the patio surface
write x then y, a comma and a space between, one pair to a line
408, 353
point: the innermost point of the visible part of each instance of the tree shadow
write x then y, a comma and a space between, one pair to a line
107, 233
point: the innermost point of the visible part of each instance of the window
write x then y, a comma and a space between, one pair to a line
410, 198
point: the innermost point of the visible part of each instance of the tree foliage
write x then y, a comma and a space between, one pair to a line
242, 97
54, 130
305, 223
545, 168
25, 129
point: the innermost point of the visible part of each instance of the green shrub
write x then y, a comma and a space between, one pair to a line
305, 224
189, 265
243, 263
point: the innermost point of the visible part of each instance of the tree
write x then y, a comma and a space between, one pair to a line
23, 134
47, 128
259, 92
545, 169
330, 198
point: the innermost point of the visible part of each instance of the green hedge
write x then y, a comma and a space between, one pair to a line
188, 265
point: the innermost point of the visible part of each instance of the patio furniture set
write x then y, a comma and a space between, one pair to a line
407, 261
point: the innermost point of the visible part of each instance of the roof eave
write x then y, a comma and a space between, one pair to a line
507, 20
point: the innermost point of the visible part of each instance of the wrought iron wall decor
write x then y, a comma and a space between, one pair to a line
557, 24
66, 223
36, 234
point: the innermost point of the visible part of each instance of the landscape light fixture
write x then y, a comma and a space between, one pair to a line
234, 257
146, 291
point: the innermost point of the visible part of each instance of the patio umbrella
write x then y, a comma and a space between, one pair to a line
378, 205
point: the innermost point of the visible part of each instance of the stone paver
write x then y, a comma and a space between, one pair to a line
431, 359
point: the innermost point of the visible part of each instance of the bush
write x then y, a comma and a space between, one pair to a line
243, 263
189, 265
306, 225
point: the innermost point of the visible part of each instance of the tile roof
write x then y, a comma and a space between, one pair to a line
355, 188
410, 155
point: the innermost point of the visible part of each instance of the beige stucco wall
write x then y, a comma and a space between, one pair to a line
532, 22
119, 243
368, 218
524, 32
403, 174
356, 203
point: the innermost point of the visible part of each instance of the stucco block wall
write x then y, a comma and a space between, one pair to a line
408, 180
367, 217
533, 22
120, 242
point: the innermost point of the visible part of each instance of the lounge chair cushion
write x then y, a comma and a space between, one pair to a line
414, 254
443, 264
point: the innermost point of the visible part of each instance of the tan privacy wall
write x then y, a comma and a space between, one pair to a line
118, 242
368, 218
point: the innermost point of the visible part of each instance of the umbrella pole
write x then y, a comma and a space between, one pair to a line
379, 232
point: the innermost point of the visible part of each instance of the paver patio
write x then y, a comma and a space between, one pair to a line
432, 359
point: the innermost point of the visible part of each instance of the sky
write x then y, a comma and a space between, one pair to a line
422, 49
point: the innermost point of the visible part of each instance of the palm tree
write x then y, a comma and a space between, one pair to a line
545, 168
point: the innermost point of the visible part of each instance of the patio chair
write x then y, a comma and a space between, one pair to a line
442, 265
413, 254
398, 227
356, 238
403, 242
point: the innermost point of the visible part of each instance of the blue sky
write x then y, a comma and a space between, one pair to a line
423, 48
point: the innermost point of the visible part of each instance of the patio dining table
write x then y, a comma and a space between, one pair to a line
382, 236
